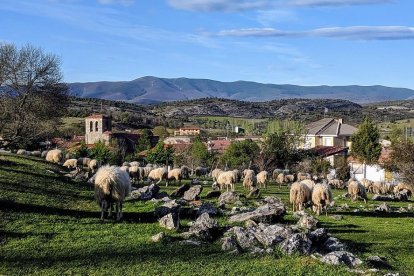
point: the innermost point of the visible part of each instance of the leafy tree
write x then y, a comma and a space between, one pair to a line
199, 153
101, 152
342, 169
320, 166
365, 143
402, 160
160, 154
33, 96
144, 142
82, 151
240, 153
160, 131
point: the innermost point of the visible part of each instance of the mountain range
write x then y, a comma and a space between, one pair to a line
152, 90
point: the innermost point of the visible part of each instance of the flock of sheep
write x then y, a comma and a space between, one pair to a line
113, 183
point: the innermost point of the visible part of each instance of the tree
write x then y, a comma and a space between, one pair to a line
101, 153
160, 154
240, 153
160, 131
144, 142
32, 95
365, 143
82, 151
199, 153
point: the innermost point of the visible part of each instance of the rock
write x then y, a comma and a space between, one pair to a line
409, 207
170, 221
204, 228
307, 222
336, 217
162, 196
378, 262
299, 214
229, 244
402, 210
255, 251
163, 199
158, 237
208, 208
341, 257
296, 243
271, 200
146, 192
342, 207
255, 192
318, 236
266, 213
193, 193
333, 244
228, 198
181, 201
383, 208
238, 210
269, 235
170, 207
213, 194
179, 192
245, 237
190, 242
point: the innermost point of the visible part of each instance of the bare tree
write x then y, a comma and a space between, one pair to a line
32, 95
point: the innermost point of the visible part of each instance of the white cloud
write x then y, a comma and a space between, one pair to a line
242, 5
352, 32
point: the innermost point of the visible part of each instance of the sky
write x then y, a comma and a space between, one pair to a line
303, 42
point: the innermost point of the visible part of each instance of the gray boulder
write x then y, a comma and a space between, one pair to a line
158, 237
333, 244
170, 221
245, 237
228, 198
296, 243
208, 208
193, 193
254, 193
307, 222
146, 192
170, 207
269, 235
318, 236
341, 257
179, 192
383, 208
229, 244
204, 228
266, 213
378, 262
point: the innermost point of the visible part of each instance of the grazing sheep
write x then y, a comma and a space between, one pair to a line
276, 173
112, 185
309, 183
321, 198
215, 173
356, 189
54, 156
299, 195
93, 165
238, 174
83, 162
289, 178
226, 179
135, 163
185, 172
249, 180
125, 169
262, 179
70, 163
280, 179
369, 185
337, 183
22, 152
403, 186
201, 171
44, 153
301, 176
158, 174
136, 173
36, 153
176, 175
146, 172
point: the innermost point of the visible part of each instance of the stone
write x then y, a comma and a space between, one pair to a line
170, 221
341, 257
409, 207
158, 237
238, 210
308, 222
342, 207
333, 244
229, 198
204, 228
193, 193
270, 235
208, 208
229, 244
213, 194
255, 251
170, 207
245, 237
378, 262
271, 200
190, 242
162, 196
383, 208
318, 236
266, 213
254, 193
296, 243
179, 192
299, 214
336, 217
146, 192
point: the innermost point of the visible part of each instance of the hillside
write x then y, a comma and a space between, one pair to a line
148, 90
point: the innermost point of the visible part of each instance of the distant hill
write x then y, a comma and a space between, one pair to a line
150, 90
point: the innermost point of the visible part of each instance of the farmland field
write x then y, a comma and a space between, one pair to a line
50, 225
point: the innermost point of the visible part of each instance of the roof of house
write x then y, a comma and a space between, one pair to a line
96, 116
384, 156
326, 151
219, 145
330, 126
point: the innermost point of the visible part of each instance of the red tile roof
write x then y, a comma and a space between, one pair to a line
96, 116
329, 150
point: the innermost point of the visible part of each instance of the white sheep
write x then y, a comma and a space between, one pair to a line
369, 185
308, 182
176, 175
215, 173
403, 186
226, 179
249, 180
112, 185
93, 165
321, 198
262, 179
280, 179
238, 174
302, 176
336, 183
54, 156
299, 195
158, 174
70, 163
22, 152
134, 163
356, 189
289, 178
125, 168
146, 172
83, 162
136, 173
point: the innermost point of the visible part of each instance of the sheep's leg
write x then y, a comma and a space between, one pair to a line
103, 207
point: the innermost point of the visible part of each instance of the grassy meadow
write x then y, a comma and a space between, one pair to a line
50, 225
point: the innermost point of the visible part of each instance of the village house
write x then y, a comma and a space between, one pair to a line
188, 131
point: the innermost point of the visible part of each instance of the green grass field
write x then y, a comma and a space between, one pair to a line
50, 226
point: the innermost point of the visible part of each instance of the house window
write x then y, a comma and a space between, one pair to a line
96, 126
328, 141
90, 126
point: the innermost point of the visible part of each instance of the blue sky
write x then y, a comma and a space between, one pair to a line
305, 42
